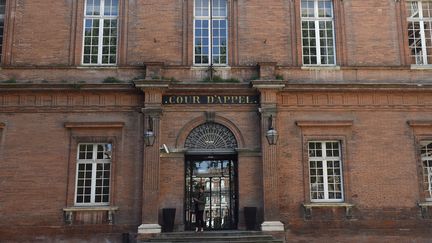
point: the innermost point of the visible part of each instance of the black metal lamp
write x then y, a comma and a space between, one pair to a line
272, 135
149, 135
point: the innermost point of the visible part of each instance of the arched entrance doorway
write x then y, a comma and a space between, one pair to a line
211, 162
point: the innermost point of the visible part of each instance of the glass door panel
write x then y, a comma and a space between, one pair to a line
218, 176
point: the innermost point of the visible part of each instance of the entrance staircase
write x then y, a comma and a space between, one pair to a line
215, 237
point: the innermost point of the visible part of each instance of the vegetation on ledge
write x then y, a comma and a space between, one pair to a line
218, 79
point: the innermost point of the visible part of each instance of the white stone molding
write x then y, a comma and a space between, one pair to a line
149, 229
272, 226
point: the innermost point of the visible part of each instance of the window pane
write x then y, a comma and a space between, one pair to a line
217, 45
201, 8
93, 7
219, 8
93, 178
413, 9
99, 41
317, 28
325, 8
83, 177
325, 171
111, 7
307, 8
426, 157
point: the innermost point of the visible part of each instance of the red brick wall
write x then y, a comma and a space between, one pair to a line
369, 33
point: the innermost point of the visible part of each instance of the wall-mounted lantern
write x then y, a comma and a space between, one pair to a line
149, 135
272, 135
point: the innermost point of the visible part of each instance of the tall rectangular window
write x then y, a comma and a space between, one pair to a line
93, 174
420, 31
2, 21
325, 171
100, 32
426, 159
317, 25
210, 32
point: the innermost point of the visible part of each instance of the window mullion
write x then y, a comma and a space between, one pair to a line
317, 40
100, 44
429, 175
422, 33
326, 193
93, 180
210, 36
318, 47
324, 166
102, 8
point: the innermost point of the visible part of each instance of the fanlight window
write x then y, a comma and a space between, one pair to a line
211, 136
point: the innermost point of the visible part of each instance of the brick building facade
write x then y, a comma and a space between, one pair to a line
315, 112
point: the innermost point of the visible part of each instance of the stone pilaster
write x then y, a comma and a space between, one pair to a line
271, 200
151, 158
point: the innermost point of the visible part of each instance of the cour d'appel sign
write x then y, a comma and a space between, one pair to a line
209, 99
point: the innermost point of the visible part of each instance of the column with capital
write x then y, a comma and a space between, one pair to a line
269, 112
152, 113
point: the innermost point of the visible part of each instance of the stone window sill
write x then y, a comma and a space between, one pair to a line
96, 66
424, 208
309, 206
69, 212
421, 67
323, 68
206, 67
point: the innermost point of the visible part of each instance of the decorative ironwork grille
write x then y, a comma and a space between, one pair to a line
211, 135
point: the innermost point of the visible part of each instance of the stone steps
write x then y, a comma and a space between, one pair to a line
215, 237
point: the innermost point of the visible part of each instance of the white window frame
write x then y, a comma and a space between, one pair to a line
423, 58
427, 170
94, 161
210, 35
101, 19
324, 158
316, 19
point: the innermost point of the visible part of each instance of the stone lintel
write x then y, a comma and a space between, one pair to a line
274, 226
420, 123
149, 229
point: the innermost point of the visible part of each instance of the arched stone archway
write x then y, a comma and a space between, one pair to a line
211, 163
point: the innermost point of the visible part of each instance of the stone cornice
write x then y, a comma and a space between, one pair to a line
375, 87
70, 101
152, 84
66, 87
325, 123
268, 84
210, 87
195, 86
94, 124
